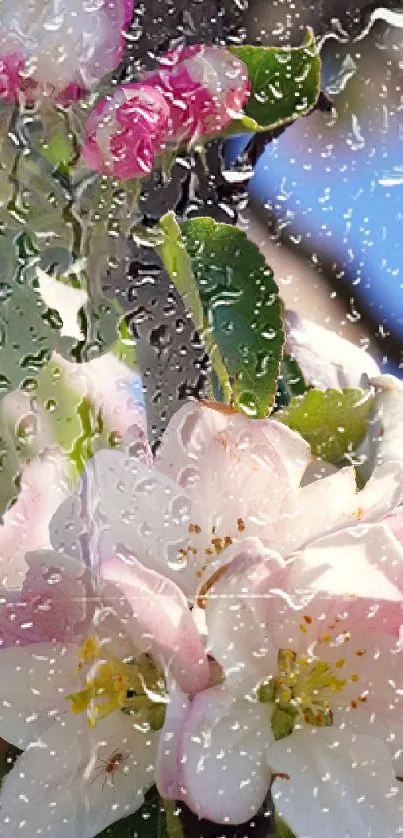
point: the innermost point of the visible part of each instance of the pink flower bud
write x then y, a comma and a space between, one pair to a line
124, 133
206, 87
59, 49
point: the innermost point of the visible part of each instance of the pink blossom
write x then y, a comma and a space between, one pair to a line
124, 133
198, 90
59, 49
206, 87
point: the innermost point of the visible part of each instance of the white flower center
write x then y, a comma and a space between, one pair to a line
305, 687
135, 686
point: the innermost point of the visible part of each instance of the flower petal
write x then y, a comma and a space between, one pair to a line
237, 470
326, 359
162, 617
33, 687
25, 526
52, 604
204, 438
223, 771
315, 510
123, 501
238, 635
340, 785
167, 764
77, 780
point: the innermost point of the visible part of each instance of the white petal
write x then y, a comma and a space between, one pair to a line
66, 300
124, 502
60, 786
325, 358
33, 687
340, 785
314, 510
238, 635
167, 764
383, 492
364, 561
223, 774
384, 441
234, 467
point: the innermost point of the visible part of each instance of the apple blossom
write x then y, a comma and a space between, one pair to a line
60, 49
218, 477
312, 696
125, 132
206, 87
95, 678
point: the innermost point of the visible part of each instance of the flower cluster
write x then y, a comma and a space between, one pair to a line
197, 91
59, 49
221, 620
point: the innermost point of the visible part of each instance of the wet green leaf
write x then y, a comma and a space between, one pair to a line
241, 303
29, 333
334, 422
285, 84
178, 264
290, 382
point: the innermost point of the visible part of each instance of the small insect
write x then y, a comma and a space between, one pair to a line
109, 767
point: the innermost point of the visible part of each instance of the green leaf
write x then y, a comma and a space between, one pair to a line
285, 84
334, 422
29, 333
243, 310
8, 756
282, 830
290, 382
99, 322
179, 266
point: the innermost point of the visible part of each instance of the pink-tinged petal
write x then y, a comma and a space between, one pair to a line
52, 604
124, 133
25, 526
365, 561
60, 786
206, 87
344, 585
35, 681
382, 493
339, 785
326, 359
11, 67
223, 771
238, 636
315, 510
394, 520
167, 763
333, 503
238, 470
162, 617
